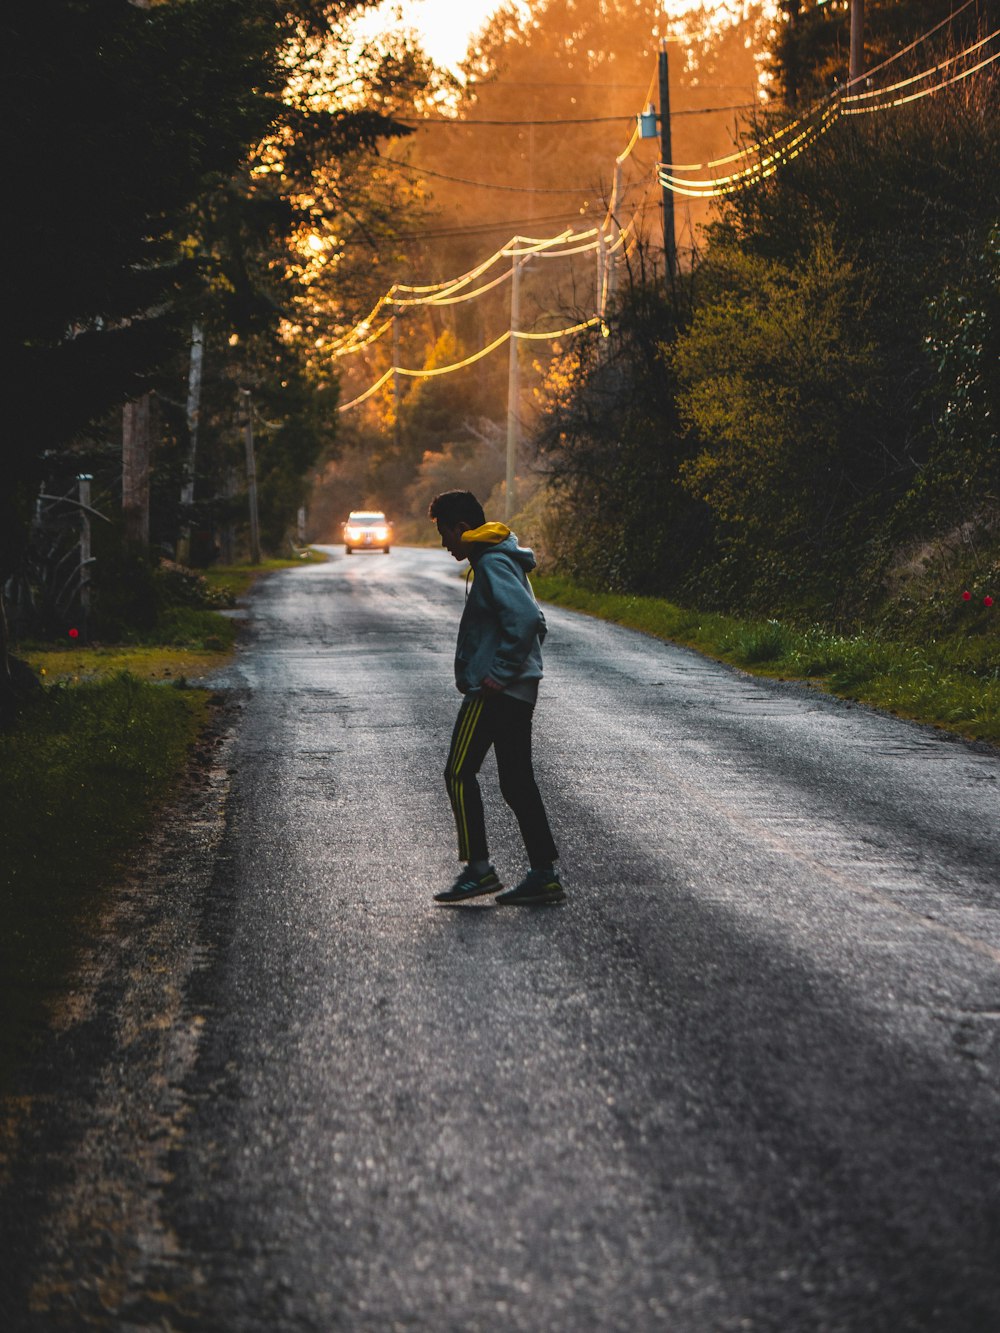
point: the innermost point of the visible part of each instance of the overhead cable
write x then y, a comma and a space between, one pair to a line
434, 371
445, 293
806, 129
479, 185
847, 103
569, 120
897, 55
869, 93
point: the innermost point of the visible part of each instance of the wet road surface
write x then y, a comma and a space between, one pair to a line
746, 1078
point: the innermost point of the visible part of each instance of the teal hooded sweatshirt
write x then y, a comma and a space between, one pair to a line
502, 626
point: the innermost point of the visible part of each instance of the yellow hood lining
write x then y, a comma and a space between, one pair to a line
489, 534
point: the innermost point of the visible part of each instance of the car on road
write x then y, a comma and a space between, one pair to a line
367, 530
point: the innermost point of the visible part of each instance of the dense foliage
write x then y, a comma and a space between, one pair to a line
831, 401
188, 172
611, 443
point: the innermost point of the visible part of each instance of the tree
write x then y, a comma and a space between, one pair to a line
123, 112
810, 50
775, 385
962, 473
139, 198
611, 445
905, 196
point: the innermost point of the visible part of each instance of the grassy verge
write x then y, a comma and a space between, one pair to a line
89, 762
81, 775
236, 580
187, 643
952, 682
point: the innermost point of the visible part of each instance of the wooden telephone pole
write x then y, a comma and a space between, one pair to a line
856, 66
666, 156
513, 389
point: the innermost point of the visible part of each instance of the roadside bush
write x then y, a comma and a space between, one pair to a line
176, 585
754, 644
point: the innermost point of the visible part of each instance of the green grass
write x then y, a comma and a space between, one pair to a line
81, 775
236, 580
170, 663
951, 682
88, 763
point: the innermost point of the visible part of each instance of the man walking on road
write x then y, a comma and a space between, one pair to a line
498, 664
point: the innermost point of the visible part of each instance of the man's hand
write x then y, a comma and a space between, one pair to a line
492, 686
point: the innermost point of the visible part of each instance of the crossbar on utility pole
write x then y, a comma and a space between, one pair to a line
666, 154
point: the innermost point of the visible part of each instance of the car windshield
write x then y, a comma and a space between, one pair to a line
366, 518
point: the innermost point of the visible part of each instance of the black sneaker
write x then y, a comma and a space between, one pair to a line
470, 885
537, 888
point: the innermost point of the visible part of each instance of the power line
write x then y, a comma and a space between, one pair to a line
810, 129
478, 229
436, 293
572, 120
435, 371
868, 94
784, 144
480, 185
876, 69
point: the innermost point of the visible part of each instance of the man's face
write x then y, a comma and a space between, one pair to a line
452, 538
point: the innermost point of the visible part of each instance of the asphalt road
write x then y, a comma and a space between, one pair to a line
745, 1078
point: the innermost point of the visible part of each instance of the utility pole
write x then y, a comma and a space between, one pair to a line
193, 417
513, 389
251, 478
666, 155
856, 66
602, 281
135, 472
397, 397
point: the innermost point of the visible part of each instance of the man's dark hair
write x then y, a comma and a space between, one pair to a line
451, 507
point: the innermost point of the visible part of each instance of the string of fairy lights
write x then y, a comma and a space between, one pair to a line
702, 180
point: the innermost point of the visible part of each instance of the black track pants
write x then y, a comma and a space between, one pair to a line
504, 723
